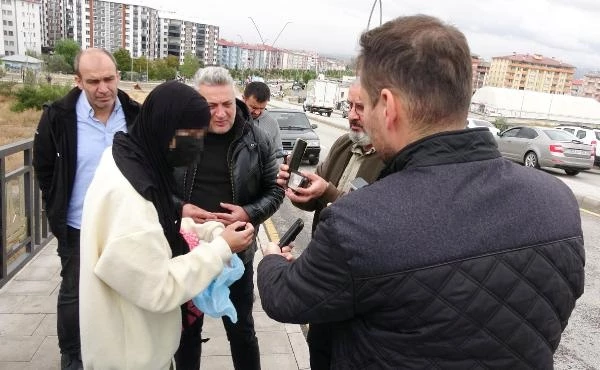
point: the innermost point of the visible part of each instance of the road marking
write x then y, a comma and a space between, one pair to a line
271, 231
589, 212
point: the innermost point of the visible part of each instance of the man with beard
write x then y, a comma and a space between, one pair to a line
351, 156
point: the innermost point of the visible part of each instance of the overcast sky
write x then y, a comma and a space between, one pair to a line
565, 29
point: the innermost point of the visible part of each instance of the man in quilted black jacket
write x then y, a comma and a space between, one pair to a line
455, 258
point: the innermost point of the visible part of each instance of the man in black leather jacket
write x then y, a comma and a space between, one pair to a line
234, 180
455, 258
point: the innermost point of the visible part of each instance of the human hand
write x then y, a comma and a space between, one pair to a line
197, 214
285, 252
238, 240
316, 188
237, 213
283, 175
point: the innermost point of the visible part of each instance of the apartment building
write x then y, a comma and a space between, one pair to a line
577, 87
531, 72
242, 56
131, 25
21, 30
480, 69
591, 85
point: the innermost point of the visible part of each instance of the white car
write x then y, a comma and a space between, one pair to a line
587, 135
476, 122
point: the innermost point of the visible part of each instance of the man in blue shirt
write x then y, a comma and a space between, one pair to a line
70, 139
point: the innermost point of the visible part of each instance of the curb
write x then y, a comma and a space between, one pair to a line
588, 203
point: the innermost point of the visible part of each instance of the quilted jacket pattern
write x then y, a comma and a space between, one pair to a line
454, 259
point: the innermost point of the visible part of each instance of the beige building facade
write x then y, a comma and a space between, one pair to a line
531, 72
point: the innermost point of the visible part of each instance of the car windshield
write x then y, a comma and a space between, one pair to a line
560, 135
291, 120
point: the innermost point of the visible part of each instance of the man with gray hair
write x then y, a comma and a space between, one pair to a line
234, 179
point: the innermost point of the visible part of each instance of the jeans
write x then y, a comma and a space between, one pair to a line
241, 335
67, 310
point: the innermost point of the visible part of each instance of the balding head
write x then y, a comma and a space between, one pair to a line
92, 53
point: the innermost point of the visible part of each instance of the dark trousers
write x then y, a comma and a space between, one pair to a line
241, 335
67, 310
319, 346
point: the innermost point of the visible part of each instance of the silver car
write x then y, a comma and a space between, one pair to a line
545, 147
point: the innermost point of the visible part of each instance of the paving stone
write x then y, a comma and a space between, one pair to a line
300, 349
47, 326
274, 342
292, 328
278, 362
9, 303
36, 273
18, 348
263, 323
19, 324
47, 356
16, 287
46, 261
38, 304
218, 345
216, 363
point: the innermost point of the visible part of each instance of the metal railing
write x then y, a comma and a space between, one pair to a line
23, 224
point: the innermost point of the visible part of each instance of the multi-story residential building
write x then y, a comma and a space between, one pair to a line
242, 56
591, 85
207, 48
21, 28
531, 72
130, 25
577, 87
480, 70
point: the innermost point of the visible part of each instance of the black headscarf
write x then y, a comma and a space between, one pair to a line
141, 154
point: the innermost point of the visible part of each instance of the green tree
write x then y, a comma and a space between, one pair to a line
123, 59
172, 61
68, 49
162, 70
190, 65
57, 63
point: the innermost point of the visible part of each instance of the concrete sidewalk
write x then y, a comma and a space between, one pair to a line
28, 324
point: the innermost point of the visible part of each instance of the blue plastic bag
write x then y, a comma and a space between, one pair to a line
214, 300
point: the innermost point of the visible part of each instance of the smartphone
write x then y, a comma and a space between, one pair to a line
358, 183
296, 180
295, 158
291, 234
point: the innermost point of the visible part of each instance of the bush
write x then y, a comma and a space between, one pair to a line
34, 96
501, 124
6, 88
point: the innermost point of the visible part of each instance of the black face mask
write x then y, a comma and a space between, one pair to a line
187, 150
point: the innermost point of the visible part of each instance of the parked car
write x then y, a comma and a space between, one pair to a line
476, 122
587, 135
545, 147
294, 124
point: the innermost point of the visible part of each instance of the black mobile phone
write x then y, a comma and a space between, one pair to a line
358, 183
295, 158
296, 180
291, 234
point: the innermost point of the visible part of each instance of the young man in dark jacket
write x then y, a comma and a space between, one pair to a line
446, 261
69, 141
234, 180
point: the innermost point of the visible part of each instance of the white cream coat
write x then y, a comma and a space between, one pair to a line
130, 286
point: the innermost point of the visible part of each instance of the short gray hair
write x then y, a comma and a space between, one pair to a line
213, 76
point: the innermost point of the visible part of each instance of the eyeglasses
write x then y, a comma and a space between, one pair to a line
359, 108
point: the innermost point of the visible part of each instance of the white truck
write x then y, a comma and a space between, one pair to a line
321, 96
